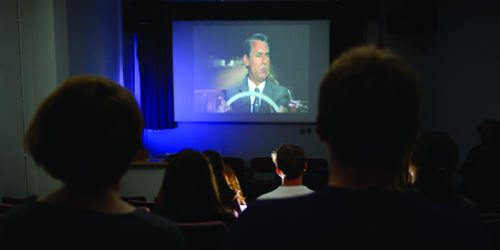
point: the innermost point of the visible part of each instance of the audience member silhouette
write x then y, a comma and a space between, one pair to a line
369, 107
481, 170
228, 196
290, 162
188, 193
85, 134
433, 161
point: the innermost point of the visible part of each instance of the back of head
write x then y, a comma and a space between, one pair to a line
188, 190
215, 159
369, 107
494, 124
87, 130
433, 160
291, 160
226, 194
434, 151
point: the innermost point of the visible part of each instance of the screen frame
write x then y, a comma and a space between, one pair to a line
183, 54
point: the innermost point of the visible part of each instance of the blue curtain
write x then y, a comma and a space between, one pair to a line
154, 53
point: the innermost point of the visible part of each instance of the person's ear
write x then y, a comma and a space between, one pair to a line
305, 167
279, 172
245, 60
321, 127
412, 174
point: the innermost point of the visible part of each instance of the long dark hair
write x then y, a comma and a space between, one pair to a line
188, 192
226, 194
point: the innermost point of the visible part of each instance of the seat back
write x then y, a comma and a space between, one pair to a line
203, 235
140, 204
263, 177
235, 163
489, 216
13, 200
262, 165
4, 208
134, 198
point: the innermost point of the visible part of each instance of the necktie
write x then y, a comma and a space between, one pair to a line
256, 101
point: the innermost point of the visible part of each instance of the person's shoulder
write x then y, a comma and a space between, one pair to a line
474, 149
227, 218
161, 231
463, 226
284, 192
155, 221
266, 220
271, 207
306, 189
235, 90
270, 195
352, 214
457, 227
232, 90
276, 87
495, 145
24, 210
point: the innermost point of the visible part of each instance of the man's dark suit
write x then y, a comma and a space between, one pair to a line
278, 93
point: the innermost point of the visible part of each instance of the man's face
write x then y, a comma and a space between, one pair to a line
258, 63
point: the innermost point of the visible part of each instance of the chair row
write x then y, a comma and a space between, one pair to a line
260, 178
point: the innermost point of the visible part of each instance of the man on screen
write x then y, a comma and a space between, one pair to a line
257, 61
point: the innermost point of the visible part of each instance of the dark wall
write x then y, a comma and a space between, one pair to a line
462, 81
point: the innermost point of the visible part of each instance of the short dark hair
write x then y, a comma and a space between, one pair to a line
433, 151
369, 107
291, 160
88, 129
247, 46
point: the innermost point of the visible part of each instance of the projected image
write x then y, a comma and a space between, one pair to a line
251, 69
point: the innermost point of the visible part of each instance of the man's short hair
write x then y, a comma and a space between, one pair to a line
369, 107
87, 130
291, 160
247, 46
